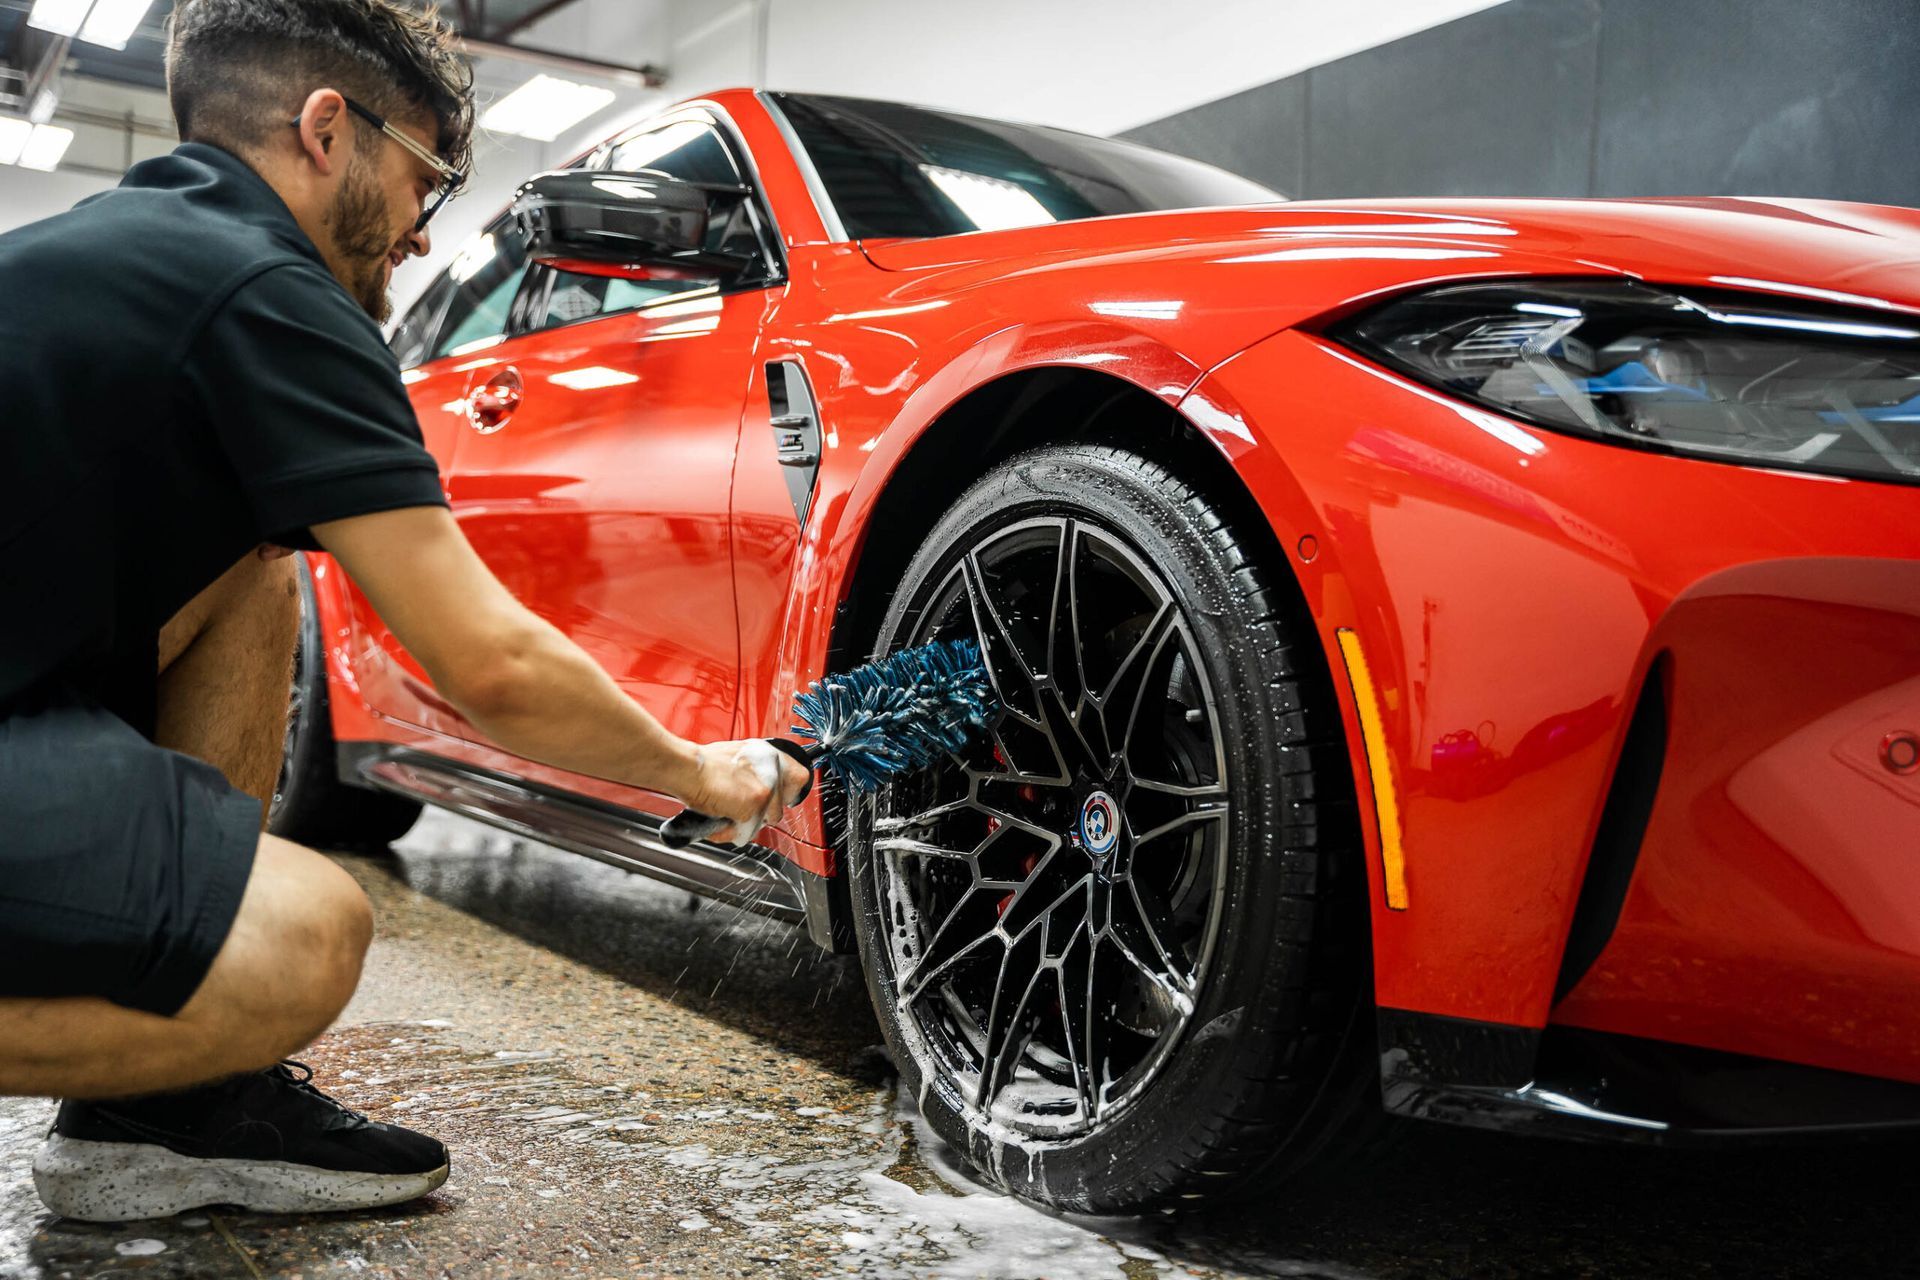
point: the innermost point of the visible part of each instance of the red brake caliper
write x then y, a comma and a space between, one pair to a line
1031, 794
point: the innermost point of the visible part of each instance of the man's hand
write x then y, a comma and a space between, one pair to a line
748, 781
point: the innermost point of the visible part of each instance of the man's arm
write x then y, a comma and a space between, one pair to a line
519, 680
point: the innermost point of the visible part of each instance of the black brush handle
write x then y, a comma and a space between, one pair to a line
689, 825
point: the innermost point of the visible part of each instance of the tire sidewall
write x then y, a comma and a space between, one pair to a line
313, 805
306, 778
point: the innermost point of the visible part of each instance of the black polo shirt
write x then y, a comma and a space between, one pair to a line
181, 379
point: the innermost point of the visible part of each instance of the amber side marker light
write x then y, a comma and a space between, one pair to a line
1373, 734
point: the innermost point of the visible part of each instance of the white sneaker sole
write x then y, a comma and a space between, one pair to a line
121, 1181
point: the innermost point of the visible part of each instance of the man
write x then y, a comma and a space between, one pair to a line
194, 378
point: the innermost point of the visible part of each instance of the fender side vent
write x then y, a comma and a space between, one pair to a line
1623, 825
796, 431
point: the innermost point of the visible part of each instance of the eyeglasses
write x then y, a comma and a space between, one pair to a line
451, 179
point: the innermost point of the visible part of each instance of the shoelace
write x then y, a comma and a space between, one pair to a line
304, 1082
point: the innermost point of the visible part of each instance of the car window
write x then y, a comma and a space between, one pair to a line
581, 297
894, 170
485, 275
413, 335
689, 150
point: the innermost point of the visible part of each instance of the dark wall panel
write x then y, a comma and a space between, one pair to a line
1260, 133
1497, 103
1760, 97
1594, 97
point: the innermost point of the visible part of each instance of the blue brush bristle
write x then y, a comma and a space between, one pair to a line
902, 712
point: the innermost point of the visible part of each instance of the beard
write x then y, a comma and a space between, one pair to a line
362, 239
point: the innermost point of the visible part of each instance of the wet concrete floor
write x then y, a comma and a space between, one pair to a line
634, 1084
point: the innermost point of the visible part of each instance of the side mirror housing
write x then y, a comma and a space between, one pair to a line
633, 225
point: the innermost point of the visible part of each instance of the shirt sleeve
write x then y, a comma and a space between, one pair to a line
306, 402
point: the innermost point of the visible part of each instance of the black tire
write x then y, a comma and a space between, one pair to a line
311, 805
1250, 1057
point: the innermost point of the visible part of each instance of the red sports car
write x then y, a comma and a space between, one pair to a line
1457, 653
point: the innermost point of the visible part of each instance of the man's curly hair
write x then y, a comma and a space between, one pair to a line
237, 69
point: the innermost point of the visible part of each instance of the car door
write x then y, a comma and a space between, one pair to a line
594, 471
461, 314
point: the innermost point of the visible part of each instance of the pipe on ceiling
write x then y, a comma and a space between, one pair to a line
646, 76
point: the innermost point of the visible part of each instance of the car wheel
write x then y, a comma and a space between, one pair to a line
1119, 947
311, 806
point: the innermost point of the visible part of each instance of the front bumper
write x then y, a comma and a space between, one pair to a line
1514, 591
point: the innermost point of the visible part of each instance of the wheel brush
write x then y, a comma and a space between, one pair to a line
898, 713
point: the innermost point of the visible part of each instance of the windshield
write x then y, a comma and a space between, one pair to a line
892, 170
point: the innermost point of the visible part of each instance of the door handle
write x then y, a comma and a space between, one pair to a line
491, 403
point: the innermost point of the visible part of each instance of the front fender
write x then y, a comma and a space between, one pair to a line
855, 473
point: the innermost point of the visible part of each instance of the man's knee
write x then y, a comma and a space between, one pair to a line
334, 932
292, 959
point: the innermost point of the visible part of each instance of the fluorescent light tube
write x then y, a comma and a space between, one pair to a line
113, 22
544, 107
991, 204
13, 138
61, 17
45, 103
45, 148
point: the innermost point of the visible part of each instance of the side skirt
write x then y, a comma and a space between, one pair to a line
757, 879
1573, 1083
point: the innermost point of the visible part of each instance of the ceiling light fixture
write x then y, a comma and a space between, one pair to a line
13, 138
104, 22
61, 17
46, 147
543, 108
113, 22
44, 104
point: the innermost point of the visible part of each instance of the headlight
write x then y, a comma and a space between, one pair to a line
1737, 377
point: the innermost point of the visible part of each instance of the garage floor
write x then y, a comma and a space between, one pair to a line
633, 1085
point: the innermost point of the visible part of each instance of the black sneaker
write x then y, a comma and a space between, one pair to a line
268, 1141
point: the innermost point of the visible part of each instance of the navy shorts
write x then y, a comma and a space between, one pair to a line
121, 863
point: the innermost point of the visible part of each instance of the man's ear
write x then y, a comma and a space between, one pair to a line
324, 123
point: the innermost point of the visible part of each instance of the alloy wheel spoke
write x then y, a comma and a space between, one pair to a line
906, 845
1071, 689
1008, 1027
1010, 756
1051, 883
1066, 648
1127, 691
1142, 930
1194, 791
1127, 677
1007, 667
924, 818
1185, 822
950, 944
1005, 827
1079, 1018
1014, 822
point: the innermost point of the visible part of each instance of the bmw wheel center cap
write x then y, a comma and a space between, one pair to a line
1099, 828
